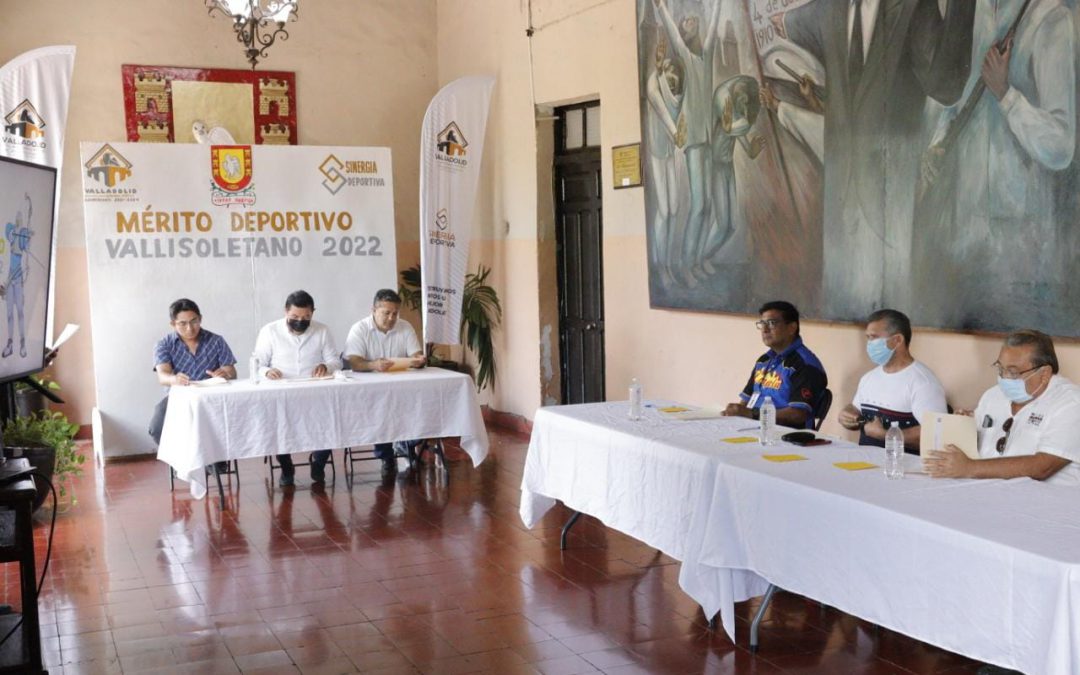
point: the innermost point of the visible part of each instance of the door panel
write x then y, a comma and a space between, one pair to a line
579, 228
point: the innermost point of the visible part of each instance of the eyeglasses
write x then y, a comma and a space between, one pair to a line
771, 323
185, 324
1010, 374
1007, 427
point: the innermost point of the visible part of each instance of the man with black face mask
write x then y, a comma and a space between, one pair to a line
295, 346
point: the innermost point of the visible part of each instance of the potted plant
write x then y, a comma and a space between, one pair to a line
481, 314
29, 400
47, 440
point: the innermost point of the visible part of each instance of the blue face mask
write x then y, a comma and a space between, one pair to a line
879, 351
1014, 390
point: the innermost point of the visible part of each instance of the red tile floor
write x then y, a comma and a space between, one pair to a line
411, 576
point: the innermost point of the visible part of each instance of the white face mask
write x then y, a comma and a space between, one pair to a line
878, 350
1016, 389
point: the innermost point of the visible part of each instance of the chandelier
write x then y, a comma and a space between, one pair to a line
258, 23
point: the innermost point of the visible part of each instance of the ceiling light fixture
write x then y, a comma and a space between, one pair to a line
257, 23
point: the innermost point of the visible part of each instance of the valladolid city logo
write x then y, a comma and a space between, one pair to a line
108, 170
231, 171
24, 126
451, 147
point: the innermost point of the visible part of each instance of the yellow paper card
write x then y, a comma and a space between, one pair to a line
783, 458
854, 466
673, 409
740, 439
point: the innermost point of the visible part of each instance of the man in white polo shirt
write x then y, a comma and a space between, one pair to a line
294, 347
1027, 423
373, 341
899, 390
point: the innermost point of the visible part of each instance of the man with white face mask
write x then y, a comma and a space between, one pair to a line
900, 389
1027, 423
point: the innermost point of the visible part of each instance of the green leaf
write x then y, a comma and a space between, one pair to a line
52, 429
481, 314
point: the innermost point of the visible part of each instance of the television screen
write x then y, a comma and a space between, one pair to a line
27, 196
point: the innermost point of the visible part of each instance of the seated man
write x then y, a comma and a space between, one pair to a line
899, 390
188, 354
1027, 423
788, 372
296, 346
373, 341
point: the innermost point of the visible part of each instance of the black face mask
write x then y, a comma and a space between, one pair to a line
298, 325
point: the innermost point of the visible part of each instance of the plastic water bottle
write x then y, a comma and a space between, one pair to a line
894, 452
253, 368
636, 411
767, 416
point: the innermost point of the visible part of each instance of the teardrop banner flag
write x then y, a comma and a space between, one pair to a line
34, 91
451, 147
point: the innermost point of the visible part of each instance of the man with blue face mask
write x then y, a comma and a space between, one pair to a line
1027, 423
900, 389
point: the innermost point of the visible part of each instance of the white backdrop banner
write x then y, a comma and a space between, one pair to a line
451, 146
34, 91
234, 228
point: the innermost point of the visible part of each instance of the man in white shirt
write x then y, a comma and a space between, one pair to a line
373, 341
1027, 423
899, 390
295, 346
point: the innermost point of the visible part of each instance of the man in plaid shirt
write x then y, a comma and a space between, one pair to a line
188, 354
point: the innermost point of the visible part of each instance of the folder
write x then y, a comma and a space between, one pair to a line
941, 429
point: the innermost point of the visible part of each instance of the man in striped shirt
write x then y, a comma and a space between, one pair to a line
188, 354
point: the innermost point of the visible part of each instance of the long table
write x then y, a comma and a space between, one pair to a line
243, 419
989, 568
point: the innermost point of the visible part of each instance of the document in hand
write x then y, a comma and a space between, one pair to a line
400, 363
941, 429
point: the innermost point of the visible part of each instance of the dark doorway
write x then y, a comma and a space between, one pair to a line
579, 237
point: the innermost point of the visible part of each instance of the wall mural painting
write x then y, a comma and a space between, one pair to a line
925, 162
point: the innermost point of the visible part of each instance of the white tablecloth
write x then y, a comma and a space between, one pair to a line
242, 419
990, 569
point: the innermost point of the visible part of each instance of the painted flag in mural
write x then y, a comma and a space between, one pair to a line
780, 58
34, 89
451, 147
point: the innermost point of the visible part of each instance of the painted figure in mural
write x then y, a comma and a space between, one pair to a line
696, 55
664, 95
1014, 128
736, 103
805, 122
18, 239
882, 60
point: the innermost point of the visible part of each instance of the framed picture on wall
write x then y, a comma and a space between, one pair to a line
169, 104
626, 165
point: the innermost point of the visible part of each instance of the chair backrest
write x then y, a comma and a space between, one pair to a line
822, 409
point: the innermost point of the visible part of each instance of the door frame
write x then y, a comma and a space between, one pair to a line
563, 157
